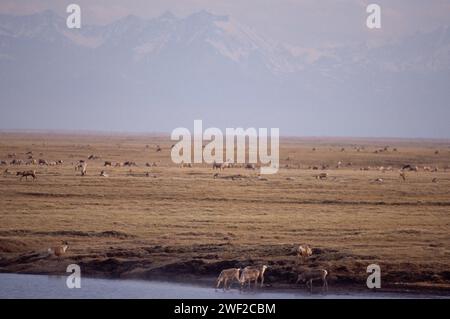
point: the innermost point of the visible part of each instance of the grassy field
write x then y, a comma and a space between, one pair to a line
183, 224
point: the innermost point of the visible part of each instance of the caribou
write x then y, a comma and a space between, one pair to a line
261, 270
26, 174
228, 275
216, 165
129, 163
315, 274
304, 252
152, 164
250, 166
82, 166
16, 162
252, 273
59, 250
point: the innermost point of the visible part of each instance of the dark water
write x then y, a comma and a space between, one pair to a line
38, 286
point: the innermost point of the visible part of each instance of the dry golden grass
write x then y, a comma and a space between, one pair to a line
182, 221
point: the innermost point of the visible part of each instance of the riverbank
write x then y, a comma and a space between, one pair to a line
281, 274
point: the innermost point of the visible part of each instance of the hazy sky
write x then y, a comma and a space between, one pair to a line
300, 22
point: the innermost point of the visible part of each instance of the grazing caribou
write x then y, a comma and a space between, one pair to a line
26, 174
16, 162
250, 166
226, 275
409, 167
310, 275
129, 163
216, 165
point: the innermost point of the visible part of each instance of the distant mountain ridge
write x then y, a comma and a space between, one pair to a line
211, 67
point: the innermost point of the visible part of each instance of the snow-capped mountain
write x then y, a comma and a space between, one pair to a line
221, 35
211, 67
147, 39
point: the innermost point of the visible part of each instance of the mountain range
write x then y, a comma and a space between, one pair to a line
156, 74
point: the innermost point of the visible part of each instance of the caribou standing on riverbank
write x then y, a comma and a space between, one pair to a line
228, 276
60, 250
304, 252
252, 273
315, 274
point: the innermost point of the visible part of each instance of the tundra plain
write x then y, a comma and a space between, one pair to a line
182, 224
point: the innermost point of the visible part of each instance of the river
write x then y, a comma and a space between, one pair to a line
41, 286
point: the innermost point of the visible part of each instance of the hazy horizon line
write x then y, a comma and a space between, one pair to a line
84, 132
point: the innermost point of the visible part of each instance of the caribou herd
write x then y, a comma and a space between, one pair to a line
81, 166
245, 276
251, 274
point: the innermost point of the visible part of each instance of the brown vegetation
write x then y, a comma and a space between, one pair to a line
183, 223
